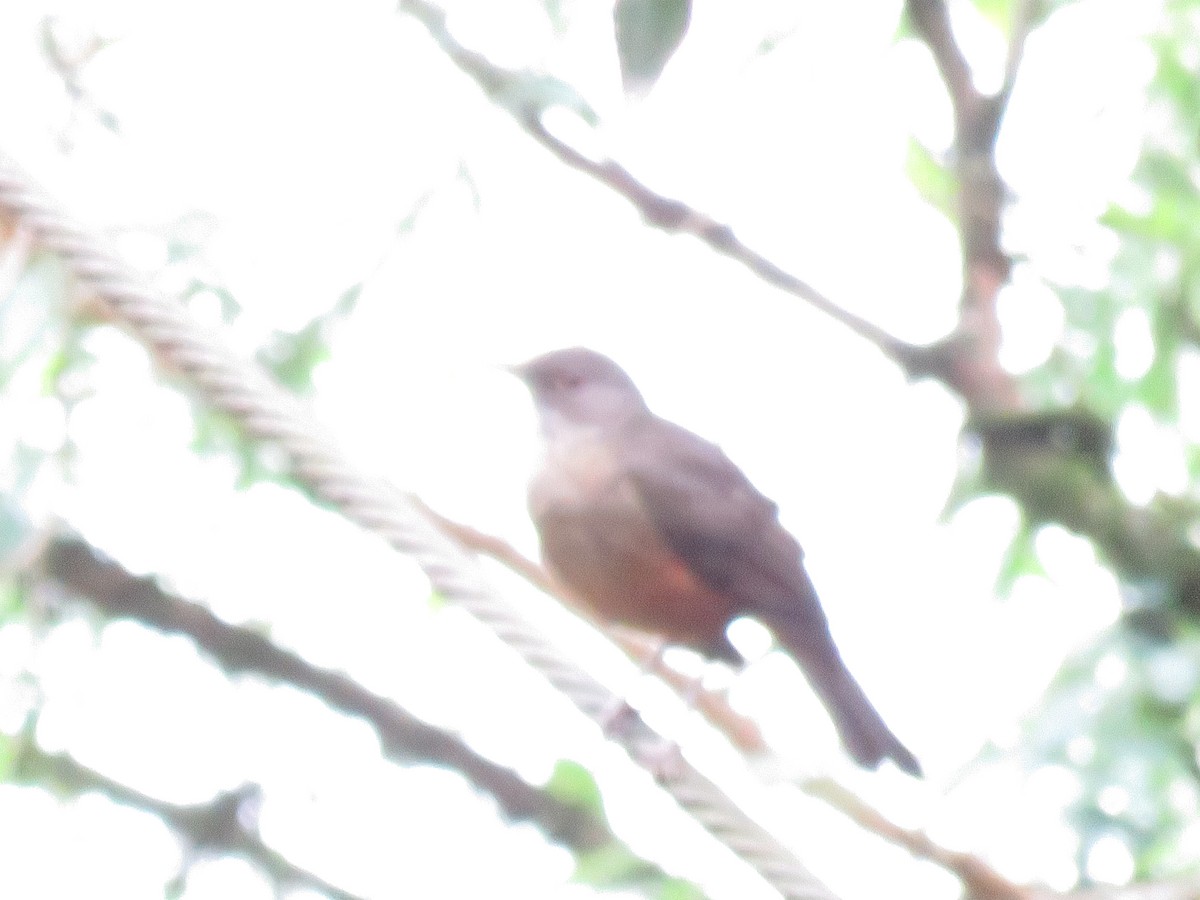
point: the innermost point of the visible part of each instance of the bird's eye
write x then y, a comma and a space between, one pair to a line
568, 381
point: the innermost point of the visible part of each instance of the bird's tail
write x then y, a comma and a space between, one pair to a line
863, 732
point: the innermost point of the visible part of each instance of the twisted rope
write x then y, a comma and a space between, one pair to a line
242, 389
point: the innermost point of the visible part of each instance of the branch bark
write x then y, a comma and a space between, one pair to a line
658, 210
404, 737
218, 825
980, 880
118, 593
973, 353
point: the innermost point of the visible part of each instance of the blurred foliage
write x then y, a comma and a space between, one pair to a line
574, 784
613, 865
15, 530
527, 93
1123, 716
69, 53
1003, 13
648, 33
293, 356
36, 344
934, 179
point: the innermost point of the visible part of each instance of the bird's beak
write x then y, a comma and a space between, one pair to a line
520, 371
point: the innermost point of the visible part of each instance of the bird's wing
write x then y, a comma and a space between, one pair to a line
709, 513
711, 516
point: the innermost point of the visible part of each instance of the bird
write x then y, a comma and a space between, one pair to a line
651, 526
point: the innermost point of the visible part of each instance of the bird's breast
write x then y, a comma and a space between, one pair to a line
598, 538
579, 473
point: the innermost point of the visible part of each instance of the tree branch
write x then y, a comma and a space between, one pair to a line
981, 881
676, 216
931, 19
973, 358
216, 826
1025, 13
405, 738
662, 212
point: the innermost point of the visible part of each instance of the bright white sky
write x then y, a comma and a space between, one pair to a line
306, 132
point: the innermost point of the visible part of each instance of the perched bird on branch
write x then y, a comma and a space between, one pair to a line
652, 526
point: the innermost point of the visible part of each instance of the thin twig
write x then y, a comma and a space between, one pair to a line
658, 210
1025, 14
217, 825
981, 880
972, 366
69, 67
676, 216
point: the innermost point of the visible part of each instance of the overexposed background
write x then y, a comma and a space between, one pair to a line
308, 146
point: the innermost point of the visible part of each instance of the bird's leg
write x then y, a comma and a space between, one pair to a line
613, 719
693, 689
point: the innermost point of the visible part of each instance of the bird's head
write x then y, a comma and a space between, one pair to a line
580, 387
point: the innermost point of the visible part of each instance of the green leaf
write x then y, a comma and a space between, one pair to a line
1191, 454
1174, 77
292, 358
12, 599
216, 433
557, 15
574, 785
967, 486
615, 866
997, 12
8, 757
678, 889
348, 299
29, 312
1158, 390
59, 362
935, 181
648, 33
1093, 315
1019, 560
612, 865
532, 93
